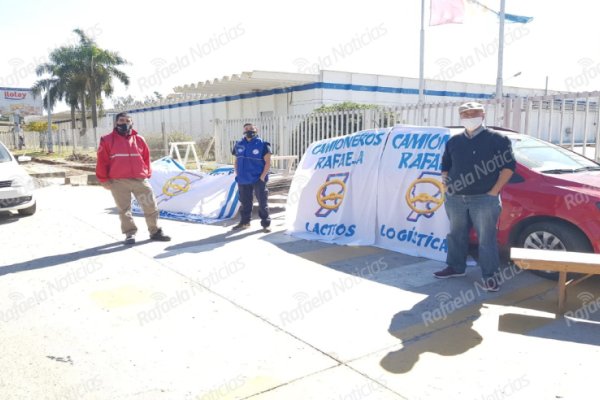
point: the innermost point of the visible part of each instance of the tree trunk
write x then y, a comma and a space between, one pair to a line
73, 127
73, 117
83, 113
94, 104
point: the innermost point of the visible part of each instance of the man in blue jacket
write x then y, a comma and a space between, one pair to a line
252, 162
475, 166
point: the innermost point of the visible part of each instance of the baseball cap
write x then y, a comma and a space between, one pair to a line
470, 106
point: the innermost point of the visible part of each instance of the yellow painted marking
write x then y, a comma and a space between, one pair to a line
241, 387
338, 253
122, 296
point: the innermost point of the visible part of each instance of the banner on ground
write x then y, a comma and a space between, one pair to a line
192, 195
375, 187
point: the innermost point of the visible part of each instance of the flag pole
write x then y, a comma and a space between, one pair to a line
500, 51
421, 65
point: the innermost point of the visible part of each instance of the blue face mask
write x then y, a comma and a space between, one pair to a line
250, 134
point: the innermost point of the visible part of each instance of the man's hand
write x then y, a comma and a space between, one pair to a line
106, 185
263, 177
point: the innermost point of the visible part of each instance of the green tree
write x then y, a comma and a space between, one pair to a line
80, 75
99, 67
64, 80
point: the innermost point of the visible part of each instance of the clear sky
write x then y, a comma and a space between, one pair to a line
176, 42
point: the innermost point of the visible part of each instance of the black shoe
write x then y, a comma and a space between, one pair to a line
240, 226
129, 239
491, 285
159, 236
447, 272
266, 229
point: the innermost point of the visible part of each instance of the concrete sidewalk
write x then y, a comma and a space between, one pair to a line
221, 315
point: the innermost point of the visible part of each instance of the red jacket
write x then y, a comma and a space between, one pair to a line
122, 157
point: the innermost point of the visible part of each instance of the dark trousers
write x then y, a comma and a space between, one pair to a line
262, 193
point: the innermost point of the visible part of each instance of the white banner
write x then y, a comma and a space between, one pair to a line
391, 198
411, 218
334, 191
191, 195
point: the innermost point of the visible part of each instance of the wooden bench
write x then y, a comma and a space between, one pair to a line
562, 262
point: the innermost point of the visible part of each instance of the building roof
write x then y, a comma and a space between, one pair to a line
246, 82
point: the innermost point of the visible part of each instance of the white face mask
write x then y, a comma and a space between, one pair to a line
471, 124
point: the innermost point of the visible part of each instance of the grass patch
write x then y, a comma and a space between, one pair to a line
88, 156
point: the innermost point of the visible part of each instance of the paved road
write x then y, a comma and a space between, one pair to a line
215, 315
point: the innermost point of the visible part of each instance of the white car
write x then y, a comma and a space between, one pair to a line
16, 186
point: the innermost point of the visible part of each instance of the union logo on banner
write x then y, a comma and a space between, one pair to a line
176, 186
330, 194
425, 195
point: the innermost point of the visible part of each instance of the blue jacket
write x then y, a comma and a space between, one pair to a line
250, 159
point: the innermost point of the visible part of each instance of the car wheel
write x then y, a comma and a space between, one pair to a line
553, 236
28, 211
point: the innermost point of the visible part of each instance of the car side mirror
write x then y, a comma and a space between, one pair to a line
22, 159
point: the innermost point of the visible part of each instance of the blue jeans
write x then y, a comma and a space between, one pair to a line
482, 210
262, 193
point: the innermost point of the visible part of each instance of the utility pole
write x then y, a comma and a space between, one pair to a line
421, 67
500, 51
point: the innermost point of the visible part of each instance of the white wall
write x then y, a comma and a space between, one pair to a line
198, 120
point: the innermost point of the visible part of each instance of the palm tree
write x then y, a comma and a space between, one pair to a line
65, 81
100, 67
80, 75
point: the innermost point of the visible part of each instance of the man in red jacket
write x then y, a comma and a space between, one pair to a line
123, 167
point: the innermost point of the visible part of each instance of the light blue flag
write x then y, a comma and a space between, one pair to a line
516, 18
507, 17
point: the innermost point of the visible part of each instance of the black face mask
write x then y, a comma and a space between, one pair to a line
250, 134
123, 129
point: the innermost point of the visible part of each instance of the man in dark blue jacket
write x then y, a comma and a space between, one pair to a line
475, 166
252, 162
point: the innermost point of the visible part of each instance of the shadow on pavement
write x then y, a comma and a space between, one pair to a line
443, 323
213, 242
57, 259
202, 245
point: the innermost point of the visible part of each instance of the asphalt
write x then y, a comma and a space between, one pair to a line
252, 315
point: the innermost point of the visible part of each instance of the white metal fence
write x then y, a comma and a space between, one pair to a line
569, 120
63, 140
566, 120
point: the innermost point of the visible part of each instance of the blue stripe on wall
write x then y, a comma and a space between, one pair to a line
318, 85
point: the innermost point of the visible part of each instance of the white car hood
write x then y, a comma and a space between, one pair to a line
11, 170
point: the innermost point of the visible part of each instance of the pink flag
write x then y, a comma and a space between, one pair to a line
446, 12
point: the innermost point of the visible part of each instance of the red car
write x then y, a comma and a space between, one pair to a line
552, 200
